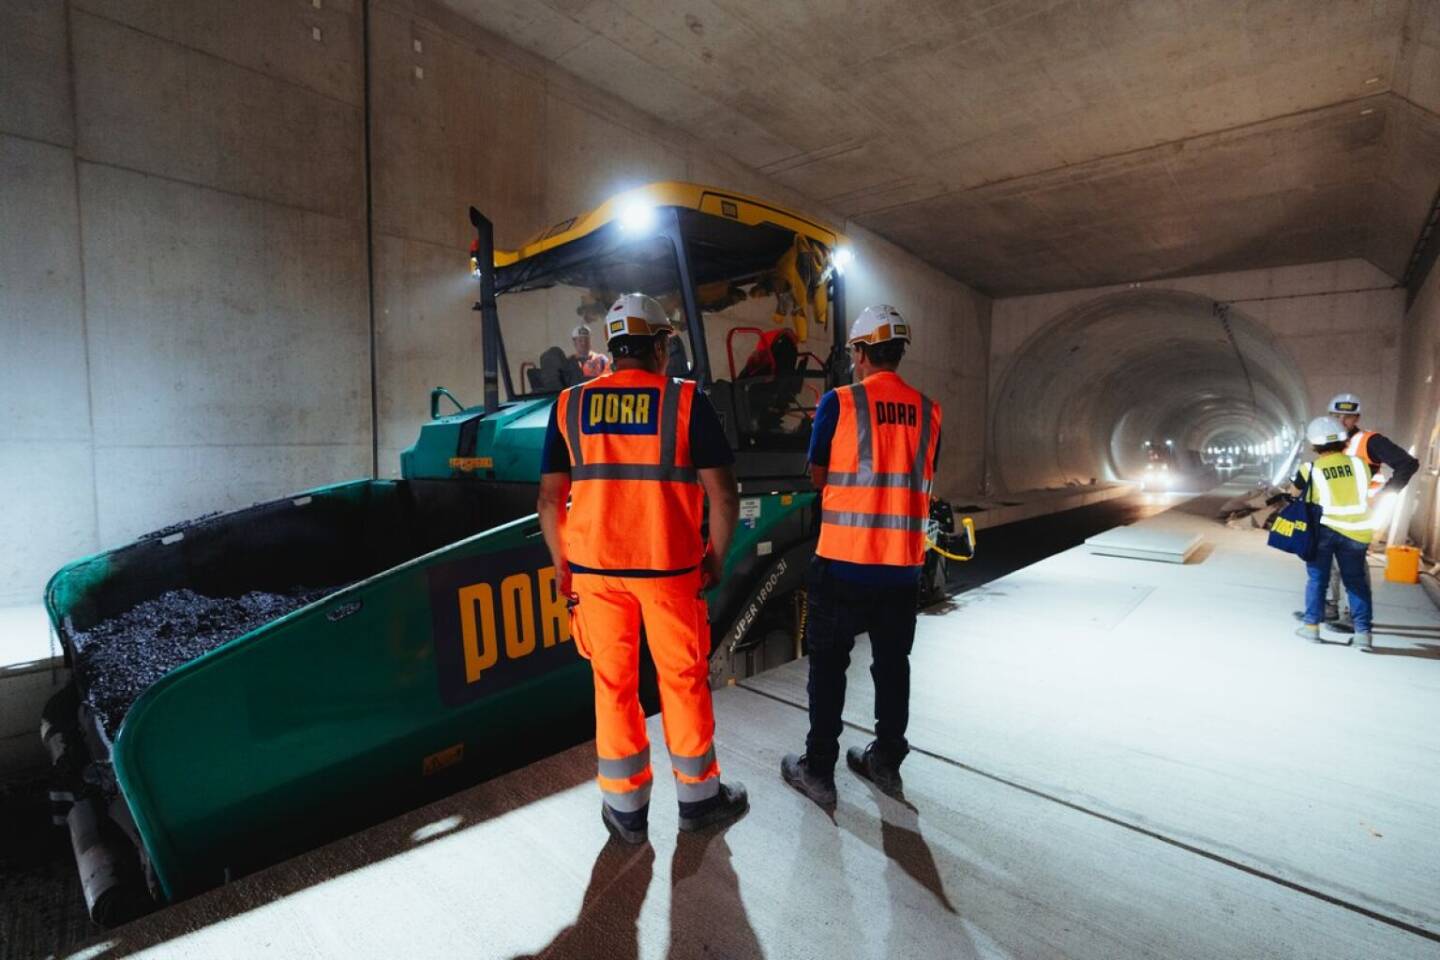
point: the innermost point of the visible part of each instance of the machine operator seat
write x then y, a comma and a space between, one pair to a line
555, 372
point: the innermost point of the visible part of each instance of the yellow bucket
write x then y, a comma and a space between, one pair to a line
1402, 564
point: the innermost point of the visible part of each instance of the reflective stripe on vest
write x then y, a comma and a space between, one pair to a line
636, 501
876, 497
1359, 445
1344, 501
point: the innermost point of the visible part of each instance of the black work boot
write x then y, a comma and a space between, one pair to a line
868, 764
632, 828
723, 809
818, 786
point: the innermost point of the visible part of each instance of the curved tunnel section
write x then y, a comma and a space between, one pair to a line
1140, 377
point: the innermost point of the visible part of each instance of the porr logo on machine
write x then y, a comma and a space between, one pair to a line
497, 619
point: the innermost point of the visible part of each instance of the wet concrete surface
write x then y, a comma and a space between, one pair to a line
117, 659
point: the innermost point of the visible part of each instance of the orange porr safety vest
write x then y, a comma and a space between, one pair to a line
877, 491
1359, 446
636, 500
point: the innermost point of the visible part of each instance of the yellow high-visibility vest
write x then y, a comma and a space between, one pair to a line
1340, 484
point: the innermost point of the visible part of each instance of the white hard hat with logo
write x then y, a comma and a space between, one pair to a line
636, 315
1326, 430
580, 331
878, 324
1345, 403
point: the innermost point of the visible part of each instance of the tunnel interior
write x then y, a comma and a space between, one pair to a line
1145, 377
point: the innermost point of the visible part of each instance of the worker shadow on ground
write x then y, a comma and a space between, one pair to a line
1424, 651
707, 915
608, 923
903, 843
445, 817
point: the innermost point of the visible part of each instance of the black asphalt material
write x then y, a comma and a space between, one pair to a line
118, 658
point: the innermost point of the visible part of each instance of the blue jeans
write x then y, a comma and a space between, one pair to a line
1349, 556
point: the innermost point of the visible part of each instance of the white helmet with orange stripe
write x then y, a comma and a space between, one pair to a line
878, 324
636, 315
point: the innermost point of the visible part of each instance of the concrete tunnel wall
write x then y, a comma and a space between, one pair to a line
1417, 424
184, 283
1136, 366
1080, 379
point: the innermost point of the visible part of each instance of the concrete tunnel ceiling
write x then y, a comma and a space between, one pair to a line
1080, 399
1039, 145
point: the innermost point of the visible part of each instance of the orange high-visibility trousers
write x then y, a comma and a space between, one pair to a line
606, 622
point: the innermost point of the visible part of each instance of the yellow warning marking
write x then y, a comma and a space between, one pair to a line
444, 758
472, 463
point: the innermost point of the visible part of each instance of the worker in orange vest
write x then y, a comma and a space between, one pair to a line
873, 451
637, 453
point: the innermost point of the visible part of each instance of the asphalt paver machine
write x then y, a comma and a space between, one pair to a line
250, 684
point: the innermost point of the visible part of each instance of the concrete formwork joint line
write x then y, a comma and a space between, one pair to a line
1396, 922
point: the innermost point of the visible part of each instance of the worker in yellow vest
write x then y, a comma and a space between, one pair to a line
1377, 450
1340, 484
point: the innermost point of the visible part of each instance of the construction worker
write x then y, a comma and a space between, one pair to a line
637, 453
873, 451
1377, 451
1340, 483
592, 365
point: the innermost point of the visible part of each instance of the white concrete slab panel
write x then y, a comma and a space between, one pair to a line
218, 320
156, 106
1139, 543
25, 636
43, 390
34, 71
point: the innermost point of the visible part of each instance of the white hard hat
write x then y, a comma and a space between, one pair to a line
636, 315
1345, 403
580, 331
878, 324
1325, 430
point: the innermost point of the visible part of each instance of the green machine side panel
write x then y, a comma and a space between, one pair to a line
504, 446
353, 708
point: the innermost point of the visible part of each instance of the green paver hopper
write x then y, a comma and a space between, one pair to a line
440, 654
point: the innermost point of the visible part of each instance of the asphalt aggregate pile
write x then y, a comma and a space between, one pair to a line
118, 658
